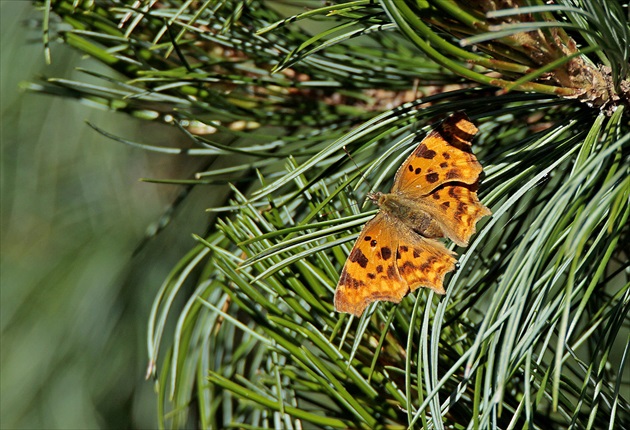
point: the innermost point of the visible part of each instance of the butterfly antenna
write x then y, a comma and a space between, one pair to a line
358, 168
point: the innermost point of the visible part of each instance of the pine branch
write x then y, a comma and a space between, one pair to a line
527, 331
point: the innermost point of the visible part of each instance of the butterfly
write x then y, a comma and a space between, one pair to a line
434, 195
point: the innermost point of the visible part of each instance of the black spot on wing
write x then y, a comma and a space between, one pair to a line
348, 281
424, 152
452, 174
429, 264
386, 253
433, 177
357, 256
408, 267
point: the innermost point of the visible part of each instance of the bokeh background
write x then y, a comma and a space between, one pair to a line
75, 298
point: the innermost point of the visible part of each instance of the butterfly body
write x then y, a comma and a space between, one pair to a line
433, 196
413, 213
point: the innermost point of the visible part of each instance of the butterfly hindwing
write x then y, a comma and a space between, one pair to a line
423, 262
457, 209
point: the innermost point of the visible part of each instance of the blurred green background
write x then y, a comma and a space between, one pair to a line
75, 300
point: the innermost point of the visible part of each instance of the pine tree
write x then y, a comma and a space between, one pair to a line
533, 330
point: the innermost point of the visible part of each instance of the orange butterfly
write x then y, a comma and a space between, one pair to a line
434, 195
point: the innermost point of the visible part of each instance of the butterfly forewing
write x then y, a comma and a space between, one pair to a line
370, 273
443, 156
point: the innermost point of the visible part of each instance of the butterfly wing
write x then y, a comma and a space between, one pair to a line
387, 261
456, 209
370, 273
443, 156
423, 262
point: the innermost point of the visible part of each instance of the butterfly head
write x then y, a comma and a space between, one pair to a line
377, 198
